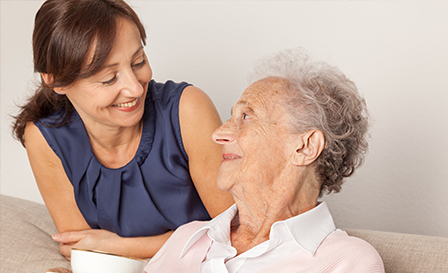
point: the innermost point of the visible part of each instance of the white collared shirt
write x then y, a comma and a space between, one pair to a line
302, 232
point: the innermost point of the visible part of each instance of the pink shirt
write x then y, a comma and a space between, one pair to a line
308, 242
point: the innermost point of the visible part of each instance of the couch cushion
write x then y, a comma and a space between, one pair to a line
406, 252
25, 238
26, 245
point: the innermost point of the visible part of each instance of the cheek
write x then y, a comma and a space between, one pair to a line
144, 74
255, 144
265, 151
256, 133
100, 97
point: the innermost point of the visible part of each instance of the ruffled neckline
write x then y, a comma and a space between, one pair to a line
148, 131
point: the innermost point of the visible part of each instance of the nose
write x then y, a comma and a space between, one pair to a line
131, 85
224, 134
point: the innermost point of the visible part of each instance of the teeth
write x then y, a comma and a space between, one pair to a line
127, 104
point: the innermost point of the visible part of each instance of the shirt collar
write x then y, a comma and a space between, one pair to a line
308, 229
218, 229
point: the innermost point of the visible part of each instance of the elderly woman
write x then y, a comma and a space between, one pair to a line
296, 132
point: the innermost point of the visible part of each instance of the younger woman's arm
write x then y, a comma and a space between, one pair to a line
58, 195
198, 120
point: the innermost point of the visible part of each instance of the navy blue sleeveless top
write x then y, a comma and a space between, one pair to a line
151, 194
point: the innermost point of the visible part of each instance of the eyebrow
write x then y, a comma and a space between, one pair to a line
115, 64
240, 103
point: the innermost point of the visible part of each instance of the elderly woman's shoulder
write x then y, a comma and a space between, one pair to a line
351, 253
343, 242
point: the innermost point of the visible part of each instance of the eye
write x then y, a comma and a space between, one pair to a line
139, 65
245, 116
111, 81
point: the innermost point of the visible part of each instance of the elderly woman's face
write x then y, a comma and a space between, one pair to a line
256, 139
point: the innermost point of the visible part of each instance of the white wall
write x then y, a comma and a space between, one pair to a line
396, 52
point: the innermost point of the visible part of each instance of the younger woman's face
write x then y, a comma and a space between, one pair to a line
115, 96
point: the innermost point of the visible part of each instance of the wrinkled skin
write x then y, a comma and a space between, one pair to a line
267, 168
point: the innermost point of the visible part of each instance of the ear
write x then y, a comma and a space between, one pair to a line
309, 147
48, 79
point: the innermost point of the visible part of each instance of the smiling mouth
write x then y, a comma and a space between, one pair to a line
127, 104
230, 156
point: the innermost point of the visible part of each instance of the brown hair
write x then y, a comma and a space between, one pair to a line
65, 34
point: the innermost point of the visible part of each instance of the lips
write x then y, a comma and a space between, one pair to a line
127, 104
228, 157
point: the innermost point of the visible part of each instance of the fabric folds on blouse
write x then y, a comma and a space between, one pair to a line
151, 194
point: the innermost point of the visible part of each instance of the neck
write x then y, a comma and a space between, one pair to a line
259, 209
115, 147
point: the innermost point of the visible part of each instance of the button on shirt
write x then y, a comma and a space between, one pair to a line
303, 232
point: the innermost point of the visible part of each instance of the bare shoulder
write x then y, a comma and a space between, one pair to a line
52, 181
31, 132
39, 151
198, 118
35, 141
193, 101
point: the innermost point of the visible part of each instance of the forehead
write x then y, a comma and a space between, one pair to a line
265, 93
127, 37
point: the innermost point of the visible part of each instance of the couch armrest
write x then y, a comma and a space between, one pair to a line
406, 252
25, 238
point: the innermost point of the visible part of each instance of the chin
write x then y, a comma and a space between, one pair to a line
127, 123
224, 184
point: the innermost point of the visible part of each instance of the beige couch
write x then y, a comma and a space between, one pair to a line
26, 245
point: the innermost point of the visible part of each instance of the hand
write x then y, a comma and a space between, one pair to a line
95, 239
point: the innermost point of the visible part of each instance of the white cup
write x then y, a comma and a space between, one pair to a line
93, 261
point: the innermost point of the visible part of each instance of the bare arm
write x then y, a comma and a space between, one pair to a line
53, 183
198, 120
58, 195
